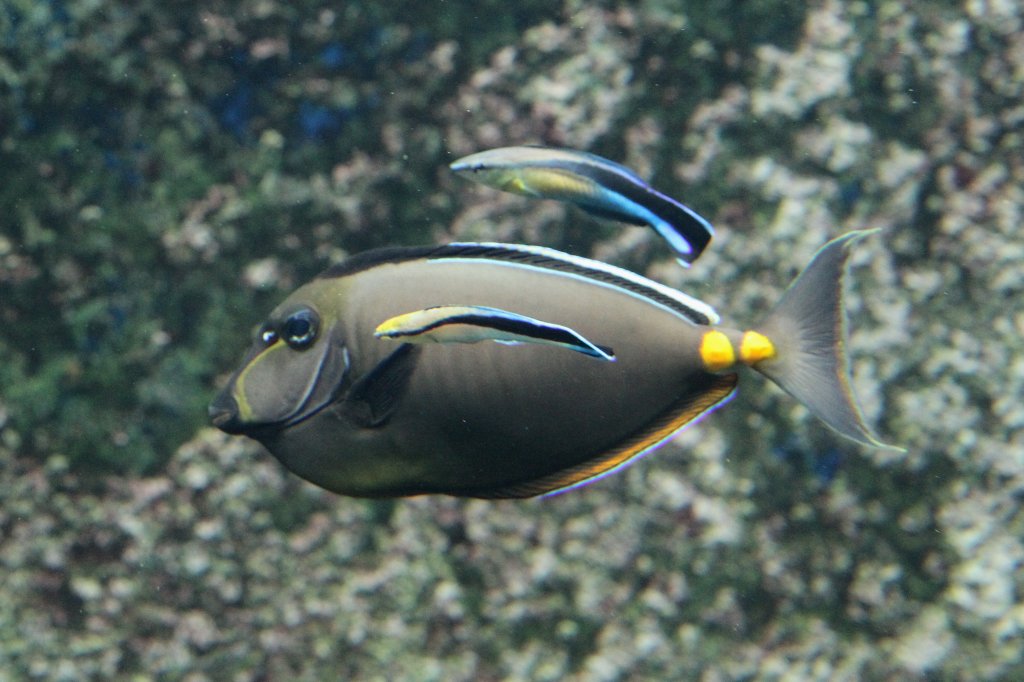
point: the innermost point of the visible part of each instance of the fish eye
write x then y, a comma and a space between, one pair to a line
300, 329
267, 335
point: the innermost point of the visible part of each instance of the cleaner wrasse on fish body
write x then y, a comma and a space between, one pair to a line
498, 370
595, 184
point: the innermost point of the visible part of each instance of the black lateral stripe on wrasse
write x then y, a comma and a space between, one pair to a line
526, 256
623, 181
519, 326
701, 398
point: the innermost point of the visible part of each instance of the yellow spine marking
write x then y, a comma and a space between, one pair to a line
756, 347
716, 351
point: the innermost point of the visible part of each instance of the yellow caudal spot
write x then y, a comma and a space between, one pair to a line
755, 347
716, 351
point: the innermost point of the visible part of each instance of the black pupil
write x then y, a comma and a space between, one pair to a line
299, 330
297, 327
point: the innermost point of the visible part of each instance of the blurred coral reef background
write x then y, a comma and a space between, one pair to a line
170, 170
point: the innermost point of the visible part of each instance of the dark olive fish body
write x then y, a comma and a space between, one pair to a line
365, 415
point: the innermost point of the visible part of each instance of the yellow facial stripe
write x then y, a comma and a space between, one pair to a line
716, 351
756, 347
244, 408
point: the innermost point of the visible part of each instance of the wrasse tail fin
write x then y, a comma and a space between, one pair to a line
807, 327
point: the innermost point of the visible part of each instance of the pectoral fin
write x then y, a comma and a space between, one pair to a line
373, 398
470, 324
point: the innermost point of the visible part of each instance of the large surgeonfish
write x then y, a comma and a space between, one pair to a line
593, 183
499, 370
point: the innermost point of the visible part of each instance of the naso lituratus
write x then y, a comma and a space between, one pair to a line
593, 183
499, 370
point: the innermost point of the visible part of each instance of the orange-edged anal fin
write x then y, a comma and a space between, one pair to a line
706, 393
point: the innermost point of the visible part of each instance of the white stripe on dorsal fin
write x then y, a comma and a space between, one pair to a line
541, 257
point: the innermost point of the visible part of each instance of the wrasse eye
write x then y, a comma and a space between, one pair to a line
300, 329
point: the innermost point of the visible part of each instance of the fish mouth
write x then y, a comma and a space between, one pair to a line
226, 418
325, 389
223, 414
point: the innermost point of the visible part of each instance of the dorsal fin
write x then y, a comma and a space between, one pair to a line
544, 258
371, 259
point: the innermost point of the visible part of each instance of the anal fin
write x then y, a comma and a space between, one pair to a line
707, 392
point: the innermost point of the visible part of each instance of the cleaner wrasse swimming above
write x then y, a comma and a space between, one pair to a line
595, 184
499, 370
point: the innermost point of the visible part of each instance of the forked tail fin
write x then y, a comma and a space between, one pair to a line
807, 328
